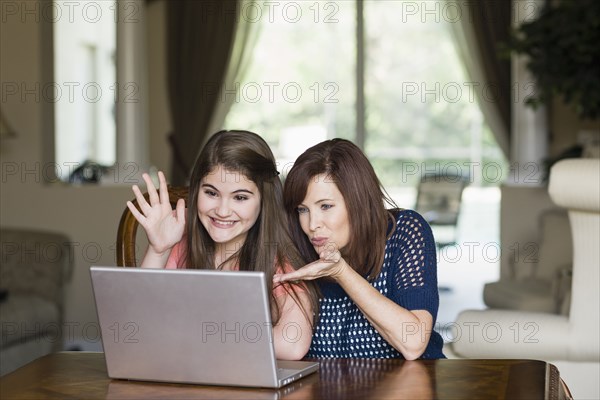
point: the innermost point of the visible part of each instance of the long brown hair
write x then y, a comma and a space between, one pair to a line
268, 245
347, 166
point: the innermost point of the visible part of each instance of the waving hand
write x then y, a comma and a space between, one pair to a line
164, 226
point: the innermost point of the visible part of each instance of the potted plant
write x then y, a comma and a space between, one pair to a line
563, 45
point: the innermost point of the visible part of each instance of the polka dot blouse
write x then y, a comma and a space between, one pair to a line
408, 277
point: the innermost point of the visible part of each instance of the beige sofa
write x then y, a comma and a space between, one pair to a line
34, 267
571, 341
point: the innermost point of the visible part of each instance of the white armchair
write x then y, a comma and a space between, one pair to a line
571, 342
540, 281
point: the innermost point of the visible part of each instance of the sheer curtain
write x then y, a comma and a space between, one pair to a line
477, 30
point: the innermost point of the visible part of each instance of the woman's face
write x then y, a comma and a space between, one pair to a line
228, 206
323, 215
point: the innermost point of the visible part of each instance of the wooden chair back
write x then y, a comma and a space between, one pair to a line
126, 234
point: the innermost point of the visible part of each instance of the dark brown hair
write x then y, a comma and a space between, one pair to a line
268, 245
347, 166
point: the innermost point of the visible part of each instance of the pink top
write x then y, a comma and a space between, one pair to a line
178, 252
176, 255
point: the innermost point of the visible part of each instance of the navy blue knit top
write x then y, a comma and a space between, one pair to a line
408, 277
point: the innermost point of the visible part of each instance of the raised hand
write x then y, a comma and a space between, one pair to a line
164, 226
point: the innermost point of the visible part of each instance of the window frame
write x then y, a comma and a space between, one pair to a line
131, 120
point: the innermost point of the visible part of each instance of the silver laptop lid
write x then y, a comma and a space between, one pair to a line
190, 326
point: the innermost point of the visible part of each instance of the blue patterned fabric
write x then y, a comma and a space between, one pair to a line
408, 277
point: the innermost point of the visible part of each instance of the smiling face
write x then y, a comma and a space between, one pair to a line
323, 215
228, 206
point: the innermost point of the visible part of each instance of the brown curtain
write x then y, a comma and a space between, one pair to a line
200, 38
484, 25
492, 24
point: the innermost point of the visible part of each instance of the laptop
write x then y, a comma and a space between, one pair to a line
190, 326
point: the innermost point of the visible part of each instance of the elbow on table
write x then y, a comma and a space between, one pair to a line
412, 355
292, 352
291, 348
410, 351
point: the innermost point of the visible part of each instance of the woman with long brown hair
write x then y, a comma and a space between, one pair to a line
376, 268
234, 221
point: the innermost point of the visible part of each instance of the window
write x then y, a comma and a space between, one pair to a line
299, 88
99, 63
420, 111
85, 84
421, 114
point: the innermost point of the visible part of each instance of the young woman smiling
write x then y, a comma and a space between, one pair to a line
236, 222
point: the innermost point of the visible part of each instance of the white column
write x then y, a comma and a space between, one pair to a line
529, 127
132, 104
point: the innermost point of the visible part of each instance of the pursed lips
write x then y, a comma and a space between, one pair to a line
318, 241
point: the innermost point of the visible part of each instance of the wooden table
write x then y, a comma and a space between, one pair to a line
82, 375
